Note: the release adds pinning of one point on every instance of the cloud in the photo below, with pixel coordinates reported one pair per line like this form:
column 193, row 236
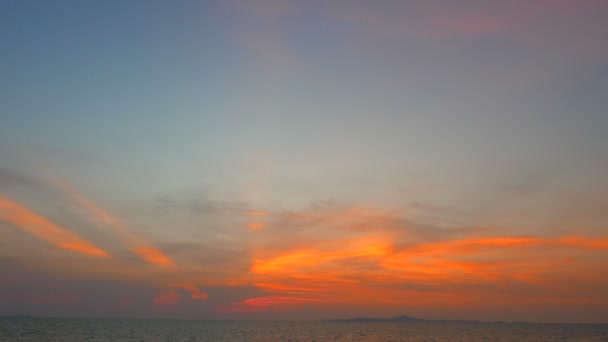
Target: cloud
column 195, row 291
column 336, row 256
column 256, row 225
column 326, row 223
column 167, row 297
column 268, row 303
column 40, row 227
column 327, row 252
column 216, row 263
column 153, row 256
column 140, row 246
column 9, row 178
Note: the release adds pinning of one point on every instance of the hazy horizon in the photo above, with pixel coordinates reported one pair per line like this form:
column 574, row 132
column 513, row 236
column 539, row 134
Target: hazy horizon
column 338, row 320
column 284, row 159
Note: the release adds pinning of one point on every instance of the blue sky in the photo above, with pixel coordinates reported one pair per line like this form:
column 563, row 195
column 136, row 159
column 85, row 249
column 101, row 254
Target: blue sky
column 166, row 126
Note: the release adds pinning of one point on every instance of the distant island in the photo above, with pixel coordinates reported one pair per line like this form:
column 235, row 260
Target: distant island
column 410, row 319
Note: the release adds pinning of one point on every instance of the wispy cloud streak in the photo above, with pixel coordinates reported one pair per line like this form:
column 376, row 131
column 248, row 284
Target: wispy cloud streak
column 139, row 246
column 42, row 228
column 365, row 254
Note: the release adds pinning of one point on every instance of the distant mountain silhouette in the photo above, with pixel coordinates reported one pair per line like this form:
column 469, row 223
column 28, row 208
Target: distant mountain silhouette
column 407, row 319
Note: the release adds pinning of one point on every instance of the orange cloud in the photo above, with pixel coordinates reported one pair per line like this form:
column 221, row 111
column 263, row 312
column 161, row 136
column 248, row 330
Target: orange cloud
column 484, row 257
column 139, row 245
column 339, row 249
column 194, row 290
column 583, row 243
column 325, row 263
column 285, row 288
column 153, row 256
column 256, row 225
column 496, row 261
column 264, row 304
column 171, row 296
column 360, row 262
column 40, row 227
column 167, row 297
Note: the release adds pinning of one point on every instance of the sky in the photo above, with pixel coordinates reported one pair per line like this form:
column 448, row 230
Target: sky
column 284, row 159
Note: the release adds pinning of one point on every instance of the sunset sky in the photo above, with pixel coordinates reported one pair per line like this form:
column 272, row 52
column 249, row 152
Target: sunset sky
column 291, row 159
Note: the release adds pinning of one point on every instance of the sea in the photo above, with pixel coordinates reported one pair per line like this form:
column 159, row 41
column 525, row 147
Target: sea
column 102, row 330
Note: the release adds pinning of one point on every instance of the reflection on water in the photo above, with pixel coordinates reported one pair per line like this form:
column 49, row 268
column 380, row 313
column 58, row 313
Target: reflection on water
column 98, row 330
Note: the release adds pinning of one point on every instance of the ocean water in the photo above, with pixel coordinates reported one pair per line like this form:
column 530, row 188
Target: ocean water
column 74, row 329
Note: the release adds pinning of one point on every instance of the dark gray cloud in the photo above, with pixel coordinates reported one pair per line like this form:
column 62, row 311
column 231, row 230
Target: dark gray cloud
column 10, row 178
column 33, row 291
